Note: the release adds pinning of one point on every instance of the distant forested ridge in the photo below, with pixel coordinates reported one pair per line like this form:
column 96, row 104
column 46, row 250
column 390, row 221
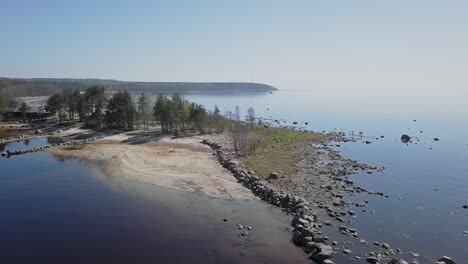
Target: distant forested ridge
column 48, row 86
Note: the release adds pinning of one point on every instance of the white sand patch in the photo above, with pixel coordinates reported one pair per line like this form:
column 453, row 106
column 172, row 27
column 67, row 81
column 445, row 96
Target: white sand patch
column 182, row 164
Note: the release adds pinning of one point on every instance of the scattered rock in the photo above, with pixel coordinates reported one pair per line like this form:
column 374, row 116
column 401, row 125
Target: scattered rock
column 385, row 245
column 436, row 139
column 347, row 251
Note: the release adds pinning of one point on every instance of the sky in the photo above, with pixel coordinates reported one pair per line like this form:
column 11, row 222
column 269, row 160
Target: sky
column 419, row 48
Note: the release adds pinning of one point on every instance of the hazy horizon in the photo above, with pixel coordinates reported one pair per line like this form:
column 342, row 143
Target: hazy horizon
column 366, row 48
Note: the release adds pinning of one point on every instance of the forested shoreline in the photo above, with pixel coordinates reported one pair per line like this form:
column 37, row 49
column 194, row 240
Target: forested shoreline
column 19, row 87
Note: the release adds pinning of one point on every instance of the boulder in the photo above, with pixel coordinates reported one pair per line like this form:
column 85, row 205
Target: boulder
column 297, row 220
column 405, row 138
column 297, row 238
column 320, row 252
column 274, row 175
column 447, row 260
column 372, row 259
column 397, row 261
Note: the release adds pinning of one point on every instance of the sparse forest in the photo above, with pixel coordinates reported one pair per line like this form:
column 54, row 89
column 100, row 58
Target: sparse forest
column 174, row 114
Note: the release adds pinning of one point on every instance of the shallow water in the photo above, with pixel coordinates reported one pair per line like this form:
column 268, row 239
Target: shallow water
column 416, row 217
column 56, row 210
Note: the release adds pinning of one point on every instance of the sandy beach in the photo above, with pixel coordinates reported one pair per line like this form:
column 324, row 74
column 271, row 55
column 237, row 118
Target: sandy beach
column 182, row 164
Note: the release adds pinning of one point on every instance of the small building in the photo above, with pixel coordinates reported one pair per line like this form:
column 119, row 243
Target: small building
column 34, row 114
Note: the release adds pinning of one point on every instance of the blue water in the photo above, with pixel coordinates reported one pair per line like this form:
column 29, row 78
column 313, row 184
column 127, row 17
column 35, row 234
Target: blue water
column 416, row 217
column 55, row 211
column 63, row 210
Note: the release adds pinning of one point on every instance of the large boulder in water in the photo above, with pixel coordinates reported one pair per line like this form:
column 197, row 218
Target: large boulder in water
column 405, row 138
column 446, row 260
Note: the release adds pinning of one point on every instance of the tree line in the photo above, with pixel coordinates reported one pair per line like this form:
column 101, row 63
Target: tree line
column 97, row 109
column 6, row 101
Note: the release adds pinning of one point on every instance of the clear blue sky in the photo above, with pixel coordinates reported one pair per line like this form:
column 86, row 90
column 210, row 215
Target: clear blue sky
column 338, row 45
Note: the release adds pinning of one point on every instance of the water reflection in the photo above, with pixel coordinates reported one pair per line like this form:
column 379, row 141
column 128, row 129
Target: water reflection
column 56, row 211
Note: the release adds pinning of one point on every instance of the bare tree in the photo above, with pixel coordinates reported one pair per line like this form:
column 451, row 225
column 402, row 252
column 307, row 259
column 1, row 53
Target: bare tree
column 250, row 118
column 238, row 131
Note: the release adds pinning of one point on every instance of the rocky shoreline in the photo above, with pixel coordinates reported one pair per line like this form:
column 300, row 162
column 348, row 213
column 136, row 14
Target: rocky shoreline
column 36, row 149
column 315, row 197
column 314, row 202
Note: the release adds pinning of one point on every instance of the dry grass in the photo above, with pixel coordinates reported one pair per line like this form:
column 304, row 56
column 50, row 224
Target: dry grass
column 279, row 151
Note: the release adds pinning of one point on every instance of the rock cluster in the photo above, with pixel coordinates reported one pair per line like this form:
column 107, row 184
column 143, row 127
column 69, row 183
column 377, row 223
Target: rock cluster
column 37, row 133
column 36, row 149
column 306, row 232
column 306, row 228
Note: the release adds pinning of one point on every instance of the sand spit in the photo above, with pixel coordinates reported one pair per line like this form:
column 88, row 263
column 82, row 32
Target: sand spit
column 181, row 164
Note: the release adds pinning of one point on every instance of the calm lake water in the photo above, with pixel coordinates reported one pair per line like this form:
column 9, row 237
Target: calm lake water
column 56, row 210
column 427, row 181
column 64, row 211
